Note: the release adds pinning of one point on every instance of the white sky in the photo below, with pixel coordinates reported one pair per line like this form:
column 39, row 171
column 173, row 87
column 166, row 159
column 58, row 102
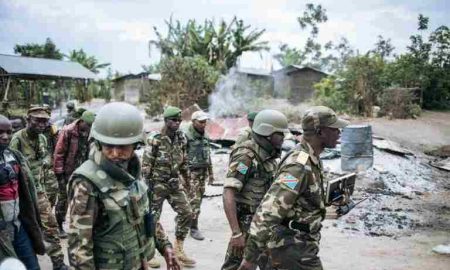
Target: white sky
column 118, row 31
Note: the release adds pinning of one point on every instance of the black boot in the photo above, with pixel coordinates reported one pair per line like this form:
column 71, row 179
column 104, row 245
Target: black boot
column 195, row 232
column 62, row 233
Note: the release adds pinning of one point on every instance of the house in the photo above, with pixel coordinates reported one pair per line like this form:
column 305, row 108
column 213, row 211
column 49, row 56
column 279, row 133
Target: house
column 131, row 87
column 256, row 79
column 296, row 82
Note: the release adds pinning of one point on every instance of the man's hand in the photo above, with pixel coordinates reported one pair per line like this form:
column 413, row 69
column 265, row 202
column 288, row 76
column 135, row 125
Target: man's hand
column 171, row 261
column 246, row 265
column 237, row 245
column 211, row 180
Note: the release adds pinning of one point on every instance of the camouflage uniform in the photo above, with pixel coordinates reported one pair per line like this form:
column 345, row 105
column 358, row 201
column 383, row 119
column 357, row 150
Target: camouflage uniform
column 51, row 184
column 250, row 173
column 244, row 135
column 200, row 167
column 36, row 153
column 162, row 162
column 110, row 221
column 296, row 201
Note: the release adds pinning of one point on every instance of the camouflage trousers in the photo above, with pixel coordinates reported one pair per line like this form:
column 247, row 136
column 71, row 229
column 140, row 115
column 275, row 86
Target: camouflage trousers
column 177, row 198
column 297, row 256
column 51, row 187
column 50, row 230
column 61, row 205
column 197, row 189
column 232, row 261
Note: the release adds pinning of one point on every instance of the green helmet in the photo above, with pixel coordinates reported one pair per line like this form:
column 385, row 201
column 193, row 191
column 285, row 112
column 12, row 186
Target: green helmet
column 268, row 122
column 118, row 123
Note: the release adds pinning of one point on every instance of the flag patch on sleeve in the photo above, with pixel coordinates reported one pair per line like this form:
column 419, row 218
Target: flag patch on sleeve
column 242, row 168
column 289, row 180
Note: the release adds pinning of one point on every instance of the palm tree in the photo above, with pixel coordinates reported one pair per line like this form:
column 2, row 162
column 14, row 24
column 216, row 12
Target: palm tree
column 89, row 62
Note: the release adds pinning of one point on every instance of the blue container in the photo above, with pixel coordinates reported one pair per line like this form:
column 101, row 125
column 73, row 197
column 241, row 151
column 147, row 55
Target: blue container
column 356, row 148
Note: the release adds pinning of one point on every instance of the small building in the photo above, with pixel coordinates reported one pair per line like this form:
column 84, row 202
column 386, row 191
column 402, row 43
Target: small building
column 131, row 87
column 256, row 79
column 296, row 82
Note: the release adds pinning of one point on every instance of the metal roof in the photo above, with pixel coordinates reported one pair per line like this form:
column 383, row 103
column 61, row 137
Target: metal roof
column 31, row 67
column 254, row 71
column 291, row 68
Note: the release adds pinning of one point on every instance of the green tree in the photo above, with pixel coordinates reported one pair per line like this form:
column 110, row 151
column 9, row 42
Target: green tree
column 220, row 46
column 184, row 81
column 46, row 50
column 89, row 62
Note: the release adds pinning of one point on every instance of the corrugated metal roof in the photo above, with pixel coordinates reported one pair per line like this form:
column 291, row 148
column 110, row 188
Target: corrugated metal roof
column 254, row 71
column 154, row 76
column 291, row 68
column 21, row 66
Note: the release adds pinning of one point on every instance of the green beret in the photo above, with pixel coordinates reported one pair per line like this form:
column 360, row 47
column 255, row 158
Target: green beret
column 172, row 111
column 251, row 116
column 88, row 117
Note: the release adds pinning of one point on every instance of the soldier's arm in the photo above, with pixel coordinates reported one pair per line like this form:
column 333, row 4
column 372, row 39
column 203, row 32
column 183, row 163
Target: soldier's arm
column 148, row 158
column 83, row 211
column 184, row 168
column 60, row 152
column 238, row 169
column 273, row 209
column 15, row 144
column 161, row 239
column 44, row 150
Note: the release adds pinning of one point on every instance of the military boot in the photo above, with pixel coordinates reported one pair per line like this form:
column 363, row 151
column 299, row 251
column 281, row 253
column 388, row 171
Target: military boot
column 61, row 232
column 195, row 232
column 154, row 263
column 181, row 256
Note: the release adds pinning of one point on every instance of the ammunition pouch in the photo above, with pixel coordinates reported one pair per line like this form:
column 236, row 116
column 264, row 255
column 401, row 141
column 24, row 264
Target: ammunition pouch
column 300, row 227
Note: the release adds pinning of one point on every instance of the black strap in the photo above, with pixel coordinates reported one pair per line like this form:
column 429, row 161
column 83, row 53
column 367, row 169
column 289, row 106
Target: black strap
column 294, row 225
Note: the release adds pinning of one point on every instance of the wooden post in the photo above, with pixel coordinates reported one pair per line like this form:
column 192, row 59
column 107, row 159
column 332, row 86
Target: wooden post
column 5, row 98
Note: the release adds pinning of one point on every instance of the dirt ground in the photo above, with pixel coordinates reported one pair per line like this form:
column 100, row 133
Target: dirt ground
column 408, row 212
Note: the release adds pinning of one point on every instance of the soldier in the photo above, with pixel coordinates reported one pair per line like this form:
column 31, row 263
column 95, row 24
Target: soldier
column 164, row 159
column 70, row 117
column 288, row 221
column 31, row 143
column 251, row 169
column 111, row 226
column 200, row 166
column 72, row 149
column 246, row 133
column 20, row 233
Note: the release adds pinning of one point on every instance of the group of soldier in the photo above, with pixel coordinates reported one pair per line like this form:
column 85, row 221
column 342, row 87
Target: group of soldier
column 113, row 198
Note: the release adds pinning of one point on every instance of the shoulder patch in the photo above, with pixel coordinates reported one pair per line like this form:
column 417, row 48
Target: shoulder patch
column 242, row 168
column 302, row 158
column 289, row 180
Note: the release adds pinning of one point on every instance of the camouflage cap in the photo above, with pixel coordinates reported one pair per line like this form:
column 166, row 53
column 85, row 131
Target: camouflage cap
column 171, row 111
column 251, row 116
column 39, row 112
column 88, row 117
column 321, row 116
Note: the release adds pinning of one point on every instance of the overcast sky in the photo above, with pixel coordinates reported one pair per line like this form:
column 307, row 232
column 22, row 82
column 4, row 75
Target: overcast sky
column 118, row 31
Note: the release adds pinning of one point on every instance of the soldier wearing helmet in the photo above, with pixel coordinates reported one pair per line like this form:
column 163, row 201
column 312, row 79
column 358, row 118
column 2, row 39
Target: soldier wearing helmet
column 294, row 206
column 251, row 169
column 246, row 133
column 111, row 225
column 71, row 111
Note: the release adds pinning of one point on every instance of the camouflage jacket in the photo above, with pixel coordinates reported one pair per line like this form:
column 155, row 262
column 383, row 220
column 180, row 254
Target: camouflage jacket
column 107, row 228
column 51, row 135
column 296, row 195
column 35, row 152
column 244, row 135
column 163, row 158
column 198, row 149
column 250, row 173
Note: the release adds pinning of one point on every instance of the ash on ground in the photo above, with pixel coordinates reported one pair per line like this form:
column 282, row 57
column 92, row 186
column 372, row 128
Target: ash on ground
column 404, row 193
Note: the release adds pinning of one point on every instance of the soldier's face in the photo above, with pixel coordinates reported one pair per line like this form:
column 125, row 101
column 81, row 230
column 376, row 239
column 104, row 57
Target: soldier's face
column 173, row 124
column 276, row 140
column 84, row 129
column 118, row 153
column 37, row 124
column 330, row 136
column 199, row 125
column 5, row 132
column 250, row 123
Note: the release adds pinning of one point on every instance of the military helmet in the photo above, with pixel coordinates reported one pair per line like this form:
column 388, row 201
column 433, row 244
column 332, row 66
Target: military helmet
column 118, row 123
column 268, row 122
column 70, row 105
column 321, row 116
column 251, row 116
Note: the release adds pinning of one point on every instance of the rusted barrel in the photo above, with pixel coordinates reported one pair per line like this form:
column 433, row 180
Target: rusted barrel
column 356, row 148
